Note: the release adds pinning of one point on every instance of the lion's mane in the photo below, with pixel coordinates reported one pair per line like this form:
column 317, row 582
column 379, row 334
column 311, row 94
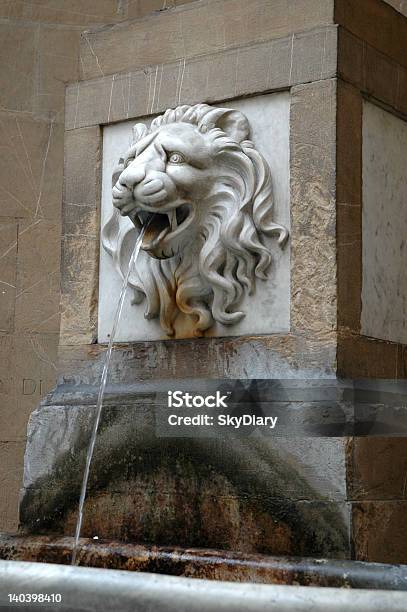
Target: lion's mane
column 231, row 253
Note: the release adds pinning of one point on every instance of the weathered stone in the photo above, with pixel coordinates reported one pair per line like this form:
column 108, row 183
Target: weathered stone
column 378, row 468
column 75, row 12
column 58, row 64
column 31, row 167
column 194, row 30
column 227, row 74
column 361, row 18
column 17, row 67
column 80, row 215
column 371, row 71
column 378, row 531
column 362, row 357
column 202, row 563
column 79, row 290
column 238, row 494
column 384, row 225
column 313, row 210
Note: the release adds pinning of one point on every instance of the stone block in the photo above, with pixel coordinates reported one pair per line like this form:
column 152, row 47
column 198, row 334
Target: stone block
column 82, row 176
column 79, row 290
column 235, row 494
column 384, row 225
column 18, row 48
column 58, row 64
column 313, row 207
column 75, row 12
column 362, row 357
column 379, row 467
column 196, row 29
column 378, row 531
column 362, row 18
column 31, row 167
column 226, row 74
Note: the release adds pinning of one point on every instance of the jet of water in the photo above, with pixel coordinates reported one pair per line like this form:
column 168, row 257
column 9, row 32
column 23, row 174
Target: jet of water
column 99, row 405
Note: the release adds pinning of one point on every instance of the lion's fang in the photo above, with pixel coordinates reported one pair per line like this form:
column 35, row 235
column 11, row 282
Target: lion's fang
column 172, row 218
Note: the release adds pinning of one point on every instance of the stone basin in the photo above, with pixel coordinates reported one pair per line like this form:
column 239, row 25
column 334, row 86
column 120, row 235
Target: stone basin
column 206, row 564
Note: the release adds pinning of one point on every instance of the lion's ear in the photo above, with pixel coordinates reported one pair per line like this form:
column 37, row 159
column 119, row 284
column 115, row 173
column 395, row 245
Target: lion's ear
column 235, row 125
column 232, row 122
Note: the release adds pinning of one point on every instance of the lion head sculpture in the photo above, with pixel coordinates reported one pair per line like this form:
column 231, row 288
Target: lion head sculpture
column 203, row 194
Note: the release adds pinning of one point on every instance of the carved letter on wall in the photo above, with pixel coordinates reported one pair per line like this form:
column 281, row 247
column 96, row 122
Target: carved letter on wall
column 210, row 192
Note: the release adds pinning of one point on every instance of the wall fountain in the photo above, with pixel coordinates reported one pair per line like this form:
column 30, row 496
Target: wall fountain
column 237, row 170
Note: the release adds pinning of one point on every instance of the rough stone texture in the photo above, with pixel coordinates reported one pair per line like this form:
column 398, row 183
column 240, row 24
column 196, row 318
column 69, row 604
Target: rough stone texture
column 195, row 30
column 254, row 357
column 203, row 563
column 81, row 215
column 313, row 180
column 384, row 225
column 378, row 531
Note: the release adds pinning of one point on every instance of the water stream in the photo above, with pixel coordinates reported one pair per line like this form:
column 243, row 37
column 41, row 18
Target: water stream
column 99, row 404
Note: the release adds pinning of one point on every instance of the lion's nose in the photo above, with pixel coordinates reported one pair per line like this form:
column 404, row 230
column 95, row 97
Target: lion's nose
column 132, row 176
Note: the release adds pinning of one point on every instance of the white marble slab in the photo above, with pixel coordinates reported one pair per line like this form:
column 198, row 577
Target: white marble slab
column 268, row 311
column 384, row 289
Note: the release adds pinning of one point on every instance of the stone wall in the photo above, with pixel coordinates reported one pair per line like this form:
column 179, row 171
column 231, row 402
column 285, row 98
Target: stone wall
column 40, row 42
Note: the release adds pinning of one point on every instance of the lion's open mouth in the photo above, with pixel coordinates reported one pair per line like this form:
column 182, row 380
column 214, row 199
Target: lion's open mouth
column 162, row 229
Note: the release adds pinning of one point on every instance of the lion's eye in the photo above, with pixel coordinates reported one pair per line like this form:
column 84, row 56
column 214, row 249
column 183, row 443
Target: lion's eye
column 176, row 158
